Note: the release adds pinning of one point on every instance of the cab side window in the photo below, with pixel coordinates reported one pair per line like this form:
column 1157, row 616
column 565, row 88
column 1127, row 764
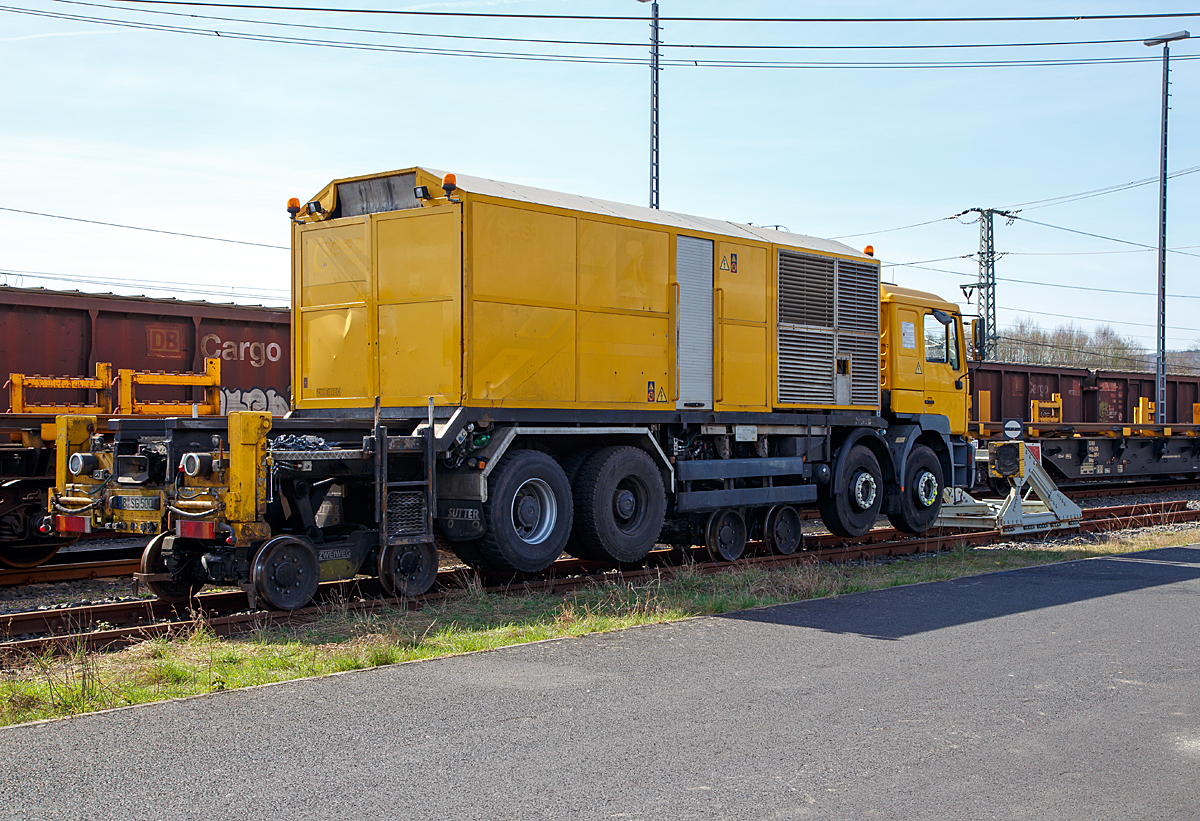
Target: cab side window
column 941, row 342
column 936, row 340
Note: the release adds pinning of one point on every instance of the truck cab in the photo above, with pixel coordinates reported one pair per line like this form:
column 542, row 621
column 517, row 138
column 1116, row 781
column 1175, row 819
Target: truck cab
column 922, row 357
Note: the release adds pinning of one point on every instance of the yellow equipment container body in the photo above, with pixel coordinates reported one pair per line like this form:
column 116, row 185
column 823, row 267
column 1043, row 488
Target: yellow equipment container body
column 377, row 310
column 482, row 300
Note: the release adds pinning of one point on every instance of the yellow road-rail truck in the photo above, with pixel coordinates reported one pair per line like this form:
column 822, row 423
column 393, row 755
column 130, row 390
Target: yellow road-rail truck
column 512, row 373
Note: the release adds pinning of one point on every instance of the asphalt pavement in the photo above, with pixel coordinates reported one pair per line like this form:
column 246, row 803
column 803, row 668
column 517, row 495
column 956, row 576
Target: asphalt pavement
column 1062, row 692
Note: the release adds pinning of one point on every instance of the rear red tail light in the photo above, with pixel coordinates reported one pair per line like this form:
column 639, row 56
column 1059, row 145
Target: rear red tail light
column 186, row 529
column 73, row 524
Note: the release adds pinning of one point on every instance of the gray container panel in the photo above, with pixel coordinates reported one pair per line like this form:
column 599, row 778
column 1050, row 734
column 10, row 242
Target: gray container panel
column 694, row 341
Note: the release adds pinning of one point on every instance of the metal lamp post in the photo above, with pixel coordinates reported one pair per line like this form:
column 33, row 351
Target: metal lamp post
column 1160, row 371
column 654, row 69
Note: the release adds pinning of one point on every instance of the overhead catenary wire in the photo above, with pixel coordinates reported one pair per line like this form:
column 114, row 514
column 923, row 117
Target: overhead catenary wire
column 536, row 16
column 575, row 58
column 1099, row 236
column 272, row 294
column 1095, row 319
column 141, row 228
column 924, row 261
column 1098, row 192
column 890, row 230
column 1084, row 287
column 1042, row 203
column 610, row 43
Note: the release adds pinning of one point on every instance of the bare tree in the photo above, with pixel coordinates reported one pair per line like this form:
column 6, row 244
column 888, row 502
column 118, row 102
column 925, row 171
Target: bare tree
column 1071, row 346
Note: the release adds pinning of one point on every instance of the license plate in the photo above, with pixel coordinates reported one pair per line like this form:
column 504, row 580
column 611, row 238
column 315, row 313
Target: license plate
column 134, row 503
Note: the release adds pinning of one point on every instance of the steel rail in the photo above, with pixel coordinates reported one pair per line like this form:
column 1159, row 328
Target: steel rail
column 78, row 571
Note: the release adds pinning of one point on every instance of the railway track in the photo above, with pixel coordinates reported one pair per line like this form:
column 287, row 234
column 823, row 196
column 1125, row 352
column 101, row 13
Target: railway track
column 117, row 624
column 115, row 565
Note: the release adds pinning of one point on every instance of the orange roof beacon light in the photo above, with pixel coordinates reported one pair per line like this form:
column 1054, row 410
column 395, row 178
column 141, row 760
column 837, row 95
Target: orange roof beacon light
column 869, row 250
column 294, row 206
column 449, row 184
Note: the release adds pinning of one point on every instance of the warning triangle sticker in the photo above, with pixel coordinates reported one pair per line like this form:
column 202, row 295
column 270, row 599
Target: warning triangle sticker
column 724, row 263
column 919, row 368
column 662, row 395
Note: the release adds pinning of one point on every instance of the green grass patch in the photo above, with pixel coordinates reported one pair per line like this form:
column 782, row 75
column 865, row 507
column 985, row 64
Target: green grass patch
column 71, row 681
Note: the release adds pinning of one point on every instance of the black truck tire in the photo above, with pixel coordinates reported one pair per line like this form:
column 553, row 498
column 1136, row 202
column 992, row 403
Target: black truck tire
column 572, row 464
column 921, row 498
column 619, row 504
column 850, row 505
column 528, row 513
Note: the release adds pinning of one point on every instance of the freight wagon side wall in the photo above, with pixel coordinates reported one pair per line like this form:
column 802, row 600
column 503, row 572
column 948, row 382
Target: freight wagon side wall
column 48, row 334
column 1107, row 397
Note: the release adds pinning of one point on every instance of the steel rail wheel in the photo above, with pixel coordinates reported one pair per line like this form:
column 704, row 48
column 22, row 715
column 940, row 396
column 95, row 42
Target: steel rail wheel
column 408, row 570
column 782, row 532
column 921, row 499
column 286, row 573
column 851, row 506
column 528, row 513
column 619, row 504
column 725, row 536
column 382, row 566
column 32, row 554
column 152, row 563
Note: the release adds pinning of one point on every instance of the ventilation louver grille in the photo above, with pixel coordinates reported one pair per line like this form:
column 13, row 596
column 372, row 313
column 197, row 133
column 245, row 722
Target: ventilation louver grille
column 863, row 351
column 828, row 309
column 857, row 298
column 805, row 290
column 805, row 366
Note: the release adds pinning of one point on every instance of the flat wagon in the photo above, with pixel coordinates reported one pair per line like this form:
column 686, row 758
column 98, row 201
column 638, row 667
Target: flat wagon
column 67, row 334
column 1092, row 424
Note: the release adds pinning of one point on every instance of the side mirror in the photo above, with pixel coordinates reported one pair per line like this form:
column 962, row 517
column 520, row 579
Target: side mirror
column 976, row 342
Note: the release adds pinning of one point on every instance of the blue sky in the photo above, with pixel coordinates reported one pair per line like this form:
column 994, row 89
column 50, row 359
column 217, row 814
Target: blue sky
column 207, row 135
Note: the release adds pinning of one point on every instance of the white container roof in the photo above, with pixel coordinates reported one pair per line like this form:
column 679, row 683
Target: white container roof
column 685, row 222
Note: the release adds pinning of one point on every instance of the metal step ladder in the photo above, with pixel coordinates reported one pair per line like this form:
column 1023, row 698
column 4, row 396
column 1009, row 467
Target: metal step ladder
column 404, row 509
column 1018, row 513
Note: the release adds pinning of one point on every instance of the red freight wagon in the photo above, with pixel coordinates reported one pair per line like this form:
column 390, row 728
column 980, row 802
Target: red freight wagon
column 1100, row 397
column 65, row 333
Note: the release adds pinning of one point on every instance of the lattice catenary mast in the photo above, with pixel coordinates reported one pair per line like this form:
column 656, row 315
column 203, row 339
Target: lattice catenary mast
column 986, row 284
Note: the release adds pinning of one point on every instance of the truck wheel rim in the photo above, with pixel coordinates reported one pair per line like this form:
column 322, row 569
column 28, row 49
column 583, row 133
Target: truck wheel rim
column 864, row 491
column 927, row 488
column 534, row 511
